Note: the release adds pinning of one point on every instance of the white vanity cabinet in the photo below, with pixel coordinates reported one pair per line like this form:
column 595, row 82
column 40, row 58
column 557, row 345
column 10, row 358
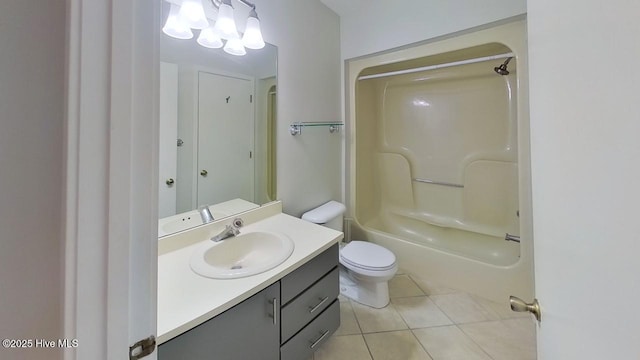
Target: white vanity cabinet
column 289, row 319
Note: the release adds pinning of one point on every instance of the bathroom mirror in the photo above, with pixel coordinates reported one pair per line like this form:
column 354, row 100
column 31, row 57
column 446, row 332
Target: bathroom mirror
column 217, row 123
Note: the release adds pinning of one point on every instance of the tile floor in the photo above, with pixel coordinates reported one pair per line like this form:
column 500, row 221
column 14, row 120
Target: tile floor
column 425, row 321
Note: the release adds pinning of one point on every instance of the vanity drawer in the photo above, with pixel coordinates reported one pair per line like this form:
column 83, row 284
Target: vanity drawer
column 309, row 304
column 313, row 335
column 296, row 282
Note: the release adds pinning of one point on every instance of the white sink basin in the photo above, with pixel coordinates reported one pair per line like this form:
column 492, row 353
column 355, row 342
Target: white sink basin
column 244, row 255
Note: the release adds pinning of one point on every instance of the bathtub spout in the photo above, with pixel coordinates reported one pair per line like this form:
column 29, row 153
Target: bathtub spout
column 510, row 237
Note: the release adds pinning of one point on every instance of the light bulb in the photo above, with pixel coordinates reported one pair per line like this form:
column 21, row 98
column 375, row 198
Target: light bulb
column 209, row 38
column 192, row 13
column 174, row 27
column 235, row 47
column 252, row 37
column 225, row 23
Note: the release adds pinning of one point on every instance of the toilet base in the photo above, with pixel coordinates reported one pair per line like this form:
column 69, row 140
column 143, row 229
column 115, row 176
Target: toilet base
column 374, row 294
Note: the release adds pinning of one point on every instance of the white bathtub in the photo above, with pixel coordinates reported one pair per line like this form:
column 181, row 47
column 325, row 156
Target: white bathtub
column 439, row 162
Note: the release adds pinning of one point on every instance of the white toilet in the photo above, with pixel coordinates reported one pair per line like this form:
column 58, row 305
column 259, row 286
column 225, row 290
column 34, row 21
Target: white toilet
column 365, row 267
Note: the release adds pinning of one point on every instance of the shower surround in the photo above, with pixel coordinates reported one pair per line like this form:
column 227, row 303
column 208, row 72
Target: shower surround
column 439, row 162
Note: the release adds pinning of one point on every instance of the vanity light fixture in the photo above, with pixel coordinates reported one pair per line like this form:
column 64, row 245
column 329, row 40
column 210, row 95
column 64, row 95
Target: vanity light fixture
column 190, row 14
column 175, row 28
column 209, row 38
column 252, row 38
column 225, row 23
column 234, row 47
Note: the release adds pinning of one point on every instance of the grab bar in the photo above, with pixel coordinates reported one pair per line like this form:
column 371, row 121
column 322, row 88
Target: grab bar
column 510, row 237
column 427, row 181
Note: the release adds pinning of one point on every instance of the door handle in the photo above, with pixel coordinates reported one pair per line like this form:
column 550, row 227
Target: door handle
column 518, row 305
column 204, row 172
column 170, row 182
column 274, row 303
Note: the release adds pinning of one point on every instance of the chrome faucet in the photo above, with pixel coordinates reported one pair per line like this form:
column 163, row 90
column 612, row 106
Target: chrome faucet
column 205, row 214
column 229, row 230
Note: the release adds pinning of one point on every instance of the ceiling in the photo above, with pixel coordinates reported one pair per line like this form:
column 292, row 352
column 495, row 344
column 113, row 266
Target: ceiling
column 344, row 7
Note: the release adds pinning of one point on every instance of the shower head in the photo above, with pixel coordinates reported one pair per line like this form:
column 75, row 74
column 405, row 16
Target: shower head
column 502, row 69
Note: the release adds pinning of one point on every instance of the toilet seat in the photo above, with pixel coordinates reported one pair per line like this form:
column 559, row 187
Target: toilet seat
column 367, row 256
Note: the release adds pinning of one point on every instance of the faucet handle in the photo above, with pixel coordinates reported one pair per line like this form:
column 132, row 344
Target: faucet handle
column 237, row 223
column 235, row 226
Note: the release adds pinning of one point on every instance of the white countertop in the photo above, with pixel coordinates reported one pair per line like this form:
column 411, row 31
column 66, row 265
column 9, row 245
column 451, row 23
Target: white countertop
column 186, row 299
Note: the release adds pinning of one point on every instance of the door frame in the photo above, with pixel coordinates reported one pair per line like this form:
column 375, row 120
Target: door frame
column 111, row 150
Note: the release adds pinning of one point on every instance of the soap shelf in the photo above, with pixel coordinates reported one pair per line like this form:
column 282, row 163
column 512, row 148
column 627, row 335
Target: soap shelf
column 296, row 128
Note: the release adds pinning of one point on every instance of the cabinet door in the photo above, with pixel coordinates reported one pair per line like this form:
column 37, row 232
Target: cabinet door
column 246, row 331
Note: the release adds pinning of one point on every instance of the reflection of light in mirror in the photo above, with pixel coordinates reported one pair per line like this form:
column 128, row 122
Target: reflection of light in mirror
column 421, row 102
column 187, row 14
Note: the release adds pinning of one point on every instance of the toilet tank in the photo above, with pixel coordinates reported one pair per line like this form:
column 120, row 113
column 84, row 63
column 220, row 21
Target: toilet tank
column 329, row 215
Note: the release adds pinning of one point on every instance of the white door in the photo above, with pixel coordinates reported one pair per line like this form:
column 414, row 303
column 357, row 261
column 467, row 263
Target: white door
column 225, row 138
column 168, row 139
column 110, row 215
column 585, row 153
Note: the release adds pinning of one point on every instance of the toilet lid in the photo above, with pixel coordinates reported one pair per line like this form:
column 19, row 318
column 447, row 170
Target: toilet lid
column 368, row 256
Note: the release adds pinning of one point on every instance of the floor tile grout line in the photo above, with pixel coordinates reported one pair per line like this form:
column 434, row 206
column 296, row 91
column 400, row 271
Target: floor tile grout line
column 426, row 327
column 486, row 319
column 401, row 317
column 453, row 291
column 488, row 315
column 416, row 285
column 453, row 323
column 421, row 344
column 367, row 345
column 396, row 310
column 488, row 308
column 409, row 296
column 445, row 314
column 475, row 342
column 399, row 314
column 355, row 316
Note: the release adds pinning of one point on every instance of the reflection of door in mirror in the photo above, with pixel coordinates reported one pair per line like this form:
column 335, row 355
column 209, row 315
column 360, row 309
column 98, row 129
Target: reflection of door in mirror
column 167, row 140
column 225, row 138
column 265, row 145
column 271, row 144
column 238, row 155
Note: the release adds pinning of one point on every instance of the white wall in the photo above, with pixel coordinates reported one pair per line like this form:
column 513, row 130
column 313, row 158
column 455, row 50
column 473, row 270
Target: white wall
column 583, row 61
column 32, row 85
column 308, row 38
column 378, row 25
